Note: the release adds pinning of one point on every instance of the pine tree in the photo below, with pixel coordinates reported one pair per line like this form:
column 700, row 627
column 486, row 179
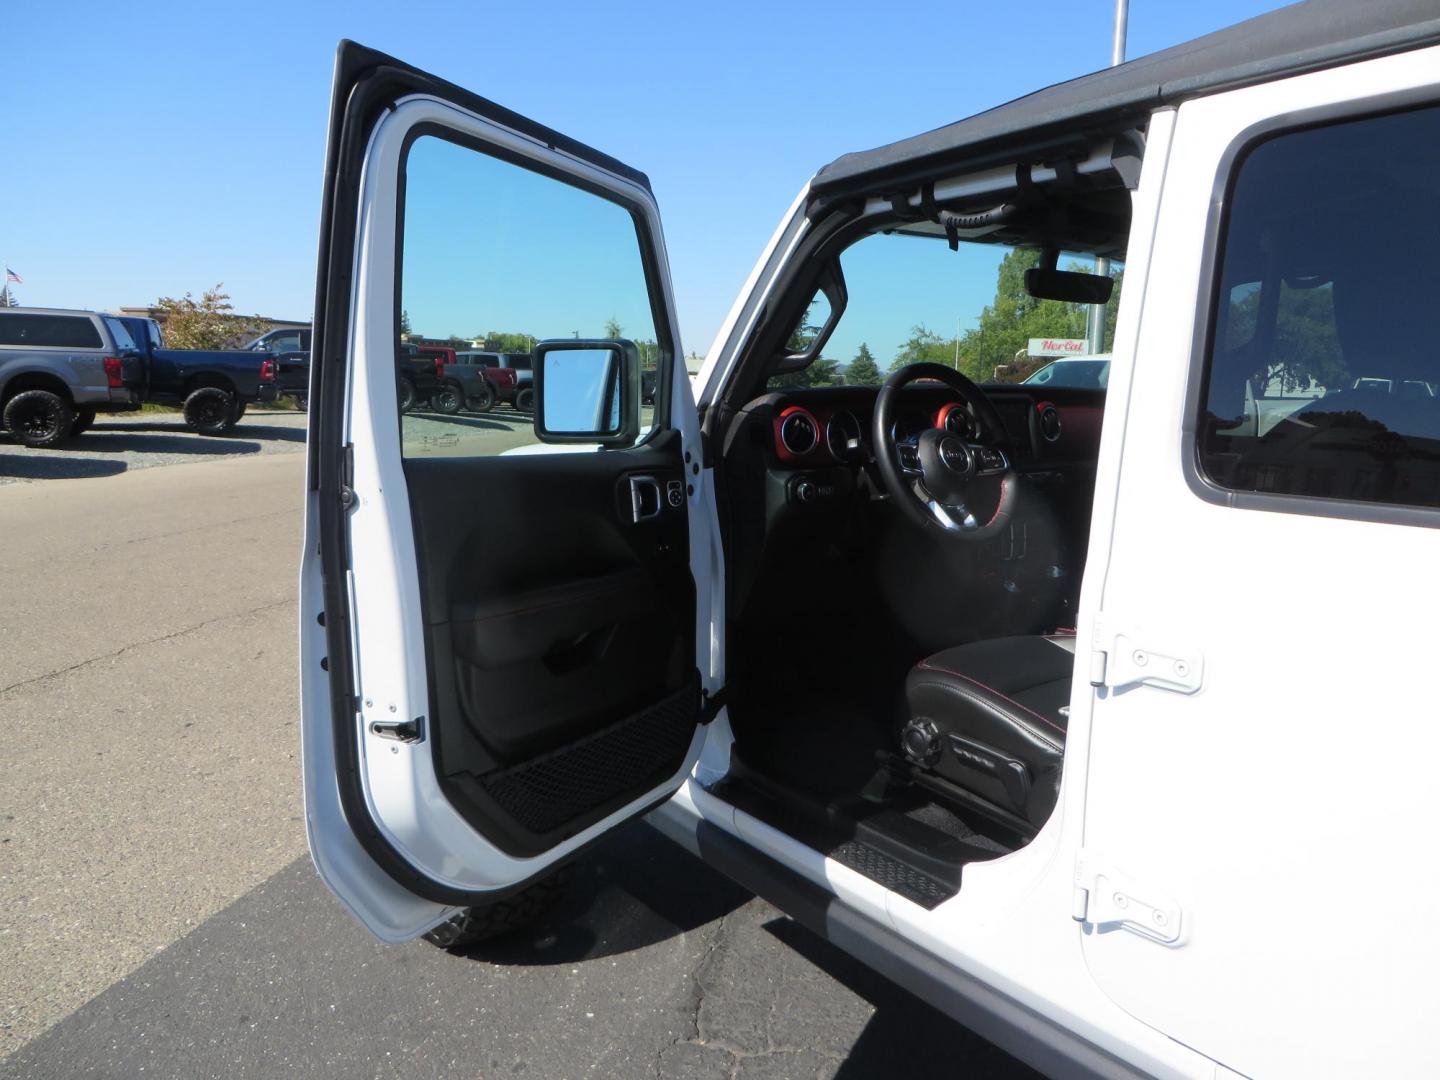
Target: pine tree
column 863, row 371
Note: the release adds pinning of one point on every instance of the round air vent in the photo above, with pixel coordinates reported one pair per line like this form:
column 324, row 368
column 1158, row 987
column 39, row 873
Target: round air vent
column 1049, row 421
column 799, row 432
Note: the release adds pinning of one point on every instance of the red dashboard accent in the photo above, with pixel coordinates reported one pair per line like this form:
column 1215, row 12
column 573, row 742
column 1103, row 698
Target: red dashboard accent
column 944, row 412
column 781, row 450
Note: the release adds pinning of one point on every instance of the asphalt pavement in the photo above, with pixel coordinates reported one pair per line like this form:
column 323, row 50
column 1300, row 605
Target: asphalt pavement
column 159, row 916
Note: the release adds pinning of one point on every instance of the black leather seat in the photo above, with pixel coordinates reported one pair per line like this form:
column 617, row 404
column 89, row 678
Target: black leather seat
column 990, row 718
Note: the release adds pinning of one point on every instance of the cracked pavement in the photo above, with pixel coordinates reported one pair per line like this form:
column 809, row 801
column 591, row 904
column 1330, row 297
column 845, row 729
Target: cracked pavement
column 158, row 915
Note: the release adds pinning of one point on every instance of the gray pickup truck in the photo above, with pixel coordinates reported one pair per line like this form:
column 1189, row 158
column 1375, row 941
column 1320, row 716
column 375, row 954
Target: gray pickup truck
column 58, row 368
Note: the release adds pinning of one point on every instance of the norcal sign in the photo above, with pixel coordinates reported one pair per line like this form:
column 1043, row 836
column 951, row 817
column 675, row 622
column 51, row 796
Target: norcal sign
column 1065, row 346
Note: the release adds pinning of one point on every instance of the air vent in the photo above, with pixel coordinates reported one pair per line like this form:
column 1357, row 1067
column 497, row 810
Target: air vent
column 842, row 436
column 1049, row 422
column 799, row 432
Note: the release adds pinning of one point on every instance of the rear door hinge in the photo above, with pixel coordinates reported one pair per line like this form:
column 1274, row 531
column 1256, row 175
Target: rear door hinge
column 1106, row 897
column 347, row 476
column 1124, row 656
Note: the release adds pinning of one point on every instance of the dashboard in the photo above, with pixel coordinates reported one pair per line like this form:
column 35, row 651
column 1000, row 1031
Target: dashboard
column 828, row 426
column 799, row 478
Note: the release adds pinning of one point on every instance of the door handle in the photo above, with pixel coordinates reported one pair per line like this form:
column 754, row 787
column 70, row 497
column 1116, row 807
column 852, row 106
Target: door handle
column 644, row 498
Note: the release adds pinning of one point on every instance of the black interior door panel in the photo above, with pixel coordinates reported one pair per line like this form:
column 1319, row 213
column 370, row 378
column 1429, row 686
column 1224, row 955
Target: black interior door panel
column 560, row 634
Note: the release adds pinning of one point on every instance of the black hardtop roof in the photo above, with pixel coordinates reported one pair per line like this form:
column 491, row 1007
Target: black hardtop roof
column 1302, row 37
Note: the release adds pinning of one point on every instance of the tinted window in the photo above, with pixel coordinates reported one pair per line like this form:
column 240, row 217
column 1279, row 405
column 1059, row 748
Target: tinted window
column 1324, row 366
column 518, row 361
column 286, row 342
column 65, row 331
column 123, row 341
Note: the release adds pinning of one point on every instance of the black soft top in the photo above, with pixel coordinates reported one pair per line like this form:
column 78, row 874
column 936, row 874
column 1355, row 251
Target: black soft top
column 1302, row 37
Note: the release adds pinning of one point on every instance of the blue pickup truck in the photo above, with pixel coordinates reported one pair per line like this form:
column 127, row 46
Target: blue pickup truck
column 211, row 387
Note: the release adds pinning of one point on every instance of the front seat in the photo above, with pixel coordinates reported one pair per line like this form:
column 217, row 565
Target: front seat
column 989, row 718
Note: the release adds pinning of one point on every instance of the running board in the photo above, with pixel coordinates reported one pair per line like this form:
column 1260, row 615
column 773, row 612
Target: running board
column 909, row 858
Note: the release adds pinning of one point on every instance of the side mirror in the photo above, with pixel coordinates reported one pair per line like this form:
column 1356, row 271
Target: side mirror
column 587, row 391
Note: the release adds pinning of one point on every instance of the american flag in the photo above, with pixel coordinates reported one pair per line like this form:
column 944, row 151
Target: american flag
column 11, row 275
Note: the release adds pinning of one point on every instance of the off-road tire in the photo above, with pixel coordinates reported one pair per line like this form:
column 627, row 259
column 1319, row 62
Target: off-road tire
column 448, row 399
column 209, row 411
column 525, row 399
column 484, row 401
column 477, row 924
column 83, row 419
column 39, row 418
column 406, row 393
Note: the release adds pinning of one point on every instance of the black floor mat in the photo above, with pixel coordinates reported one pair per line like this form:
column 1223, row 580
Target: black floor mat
column 823, row 748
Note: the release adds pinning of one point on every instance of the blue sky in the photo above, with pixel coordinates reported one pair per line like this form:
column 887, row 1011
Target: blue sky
column 154, row 149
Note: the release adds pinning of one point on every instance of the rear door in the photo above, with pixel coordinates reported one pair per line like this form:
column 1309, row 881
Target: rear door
column 498, row 637
column 1258, row 871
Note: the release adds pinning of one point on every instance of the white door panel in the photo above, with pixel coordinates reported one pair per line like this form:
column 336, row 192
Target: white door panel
column 437, row 857
column 1278, row 807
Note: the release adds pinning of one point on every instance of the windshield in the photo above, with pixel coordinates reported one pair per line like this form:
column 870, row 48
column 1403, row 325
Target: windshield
column 912, row 300
column 1073, row 374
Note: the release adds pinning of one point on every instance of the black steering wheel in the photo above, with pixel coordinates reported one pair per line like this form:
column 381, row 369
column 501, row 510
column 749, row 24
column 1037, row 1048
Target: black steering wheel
column 961, row 484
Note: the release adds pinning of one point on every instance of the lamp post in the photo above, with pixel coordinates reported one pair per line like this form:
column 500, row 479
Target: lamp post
column 1095, row 323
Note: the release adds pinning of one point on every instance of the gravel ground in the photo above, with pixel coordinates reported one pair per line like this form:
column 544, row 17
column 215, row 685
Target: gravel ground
column 127, row 441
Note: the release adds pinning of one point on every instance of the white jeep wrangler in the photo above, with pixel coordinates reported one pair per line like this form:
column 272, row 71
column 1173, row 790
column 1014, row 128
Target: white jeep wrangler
column 1069, row 709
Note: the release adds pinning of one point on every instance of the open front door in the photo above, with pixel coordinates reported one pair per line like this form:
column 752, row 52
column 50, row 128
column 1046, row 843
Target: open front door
column 498, row 630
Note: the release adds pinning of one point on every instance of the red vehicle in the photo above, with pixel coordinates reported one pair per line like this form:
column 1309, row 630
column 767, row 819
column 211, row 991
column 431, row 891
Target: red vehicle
column 508, row 373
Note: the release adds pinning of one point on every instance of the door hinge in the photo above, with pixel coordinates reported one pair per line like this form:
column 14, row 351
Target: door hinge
column 1106, row 897
column 405, row 731
column 1127, row 657
column 347, row 476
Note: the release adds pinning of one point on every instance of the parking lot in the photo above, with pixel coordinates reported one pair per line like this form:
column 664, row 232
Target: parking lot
column 158, row 912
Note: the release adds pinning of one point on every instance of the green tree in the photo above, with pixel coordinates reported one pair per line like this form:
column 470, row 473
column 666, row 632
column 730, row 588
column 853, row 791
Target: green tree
column 924, row 347
column 405, row 330
column 1014, row 316
column 207, row 323
column 863, row 371
column 505, row 341
column 822, row 371
column 613, row 329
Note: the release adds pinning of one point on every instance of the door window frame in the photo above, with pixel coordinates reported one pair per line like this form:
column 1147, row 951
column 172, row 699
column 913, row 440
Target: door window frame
column 647, row 232
column 1210, row 295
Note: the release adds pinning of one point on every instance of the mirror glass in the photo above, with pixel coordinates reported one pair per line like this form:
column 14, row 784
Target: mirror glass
column 581, row 391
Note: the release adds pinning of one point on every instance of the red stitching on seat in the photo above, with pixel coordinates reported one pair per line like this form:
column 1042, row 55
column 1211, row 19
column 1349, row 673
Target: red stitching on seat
column 927, row 666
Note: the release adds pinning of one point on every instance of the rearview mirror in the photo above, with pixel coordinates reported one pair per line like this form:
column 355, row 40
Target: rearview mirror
column 587, row 391
column 1068, row 285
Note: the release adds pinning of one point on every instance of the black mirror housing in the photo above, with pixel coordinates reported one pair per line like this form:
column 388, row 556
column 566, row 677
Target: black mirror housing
column 1068, row 285
column 587, row 390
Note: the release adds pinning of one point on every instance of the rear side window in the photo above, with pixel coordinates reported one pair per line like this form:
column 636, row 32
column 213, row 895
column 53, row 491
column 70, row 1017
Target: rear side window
column 286, row 342
column 1323, row 371
column 123, row 341
column 62, row 331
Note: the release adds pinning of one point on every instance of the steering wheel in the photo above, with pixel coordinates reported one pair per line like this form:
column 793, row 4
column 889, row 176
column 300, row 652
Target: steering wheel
column 935, row 476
